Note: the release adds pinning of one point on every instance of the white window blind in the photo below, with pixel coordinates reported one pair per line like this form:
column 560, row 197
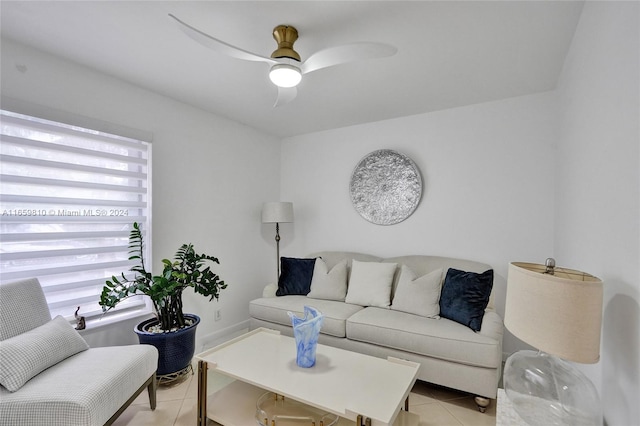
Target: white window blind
column 68, row 198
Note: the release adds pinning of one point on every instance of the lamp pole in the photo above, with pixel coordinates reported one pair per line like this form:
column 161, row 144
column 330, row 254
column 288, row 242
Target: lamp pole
column 278, row 250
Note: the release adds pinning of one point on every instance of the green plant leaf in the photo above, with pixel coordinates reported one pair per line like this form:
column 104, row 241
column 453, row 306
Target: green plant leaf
column 188, row 269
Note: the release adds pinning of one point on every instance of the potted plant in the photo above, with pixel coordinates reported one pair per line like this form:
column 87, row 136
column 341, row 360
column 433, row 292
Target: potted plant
column 172, row 332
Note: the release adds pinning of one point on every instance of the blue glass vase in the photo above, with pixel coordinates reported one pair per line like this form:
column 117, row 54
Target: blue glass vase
column 306, row 331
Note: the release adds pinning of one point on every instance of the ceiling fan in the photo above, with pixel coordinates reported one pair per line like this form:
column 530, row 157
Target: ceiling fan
column 287, row 68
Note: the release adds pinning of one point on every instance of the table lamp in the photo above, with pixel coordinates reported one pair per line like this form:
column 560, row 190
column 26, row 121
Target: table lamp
column 559, row 312
column 277, row 212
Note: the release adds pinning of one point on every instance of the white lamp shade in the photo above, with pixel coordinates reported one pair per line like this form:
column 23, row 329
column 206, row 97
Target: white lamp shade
column 560, row 314
column 285, row 75
column 277, row 212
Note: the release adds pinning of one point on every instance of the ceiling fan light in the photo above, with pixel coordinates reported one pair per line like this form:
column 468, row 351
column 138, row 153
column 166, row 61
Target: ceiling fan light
column 285, row 75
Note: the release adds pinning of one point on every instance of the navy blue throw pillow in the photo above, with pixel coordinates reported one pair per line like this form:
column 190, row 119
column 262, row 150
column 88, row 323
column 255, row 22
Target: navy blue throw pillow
column 465, row 296
column 295, row 276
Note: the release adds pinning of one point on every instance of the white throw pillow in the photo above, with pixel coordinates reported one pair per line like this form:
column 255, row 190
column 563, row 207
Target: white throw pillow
column 27, row 354
column 329, row 285
column 370, row 283
column 418, row 296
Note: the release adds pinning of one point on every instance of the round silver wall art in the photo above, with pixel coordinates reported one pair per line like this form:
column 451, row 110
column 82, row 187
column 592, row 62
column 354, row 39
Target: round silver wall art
column 386, row 187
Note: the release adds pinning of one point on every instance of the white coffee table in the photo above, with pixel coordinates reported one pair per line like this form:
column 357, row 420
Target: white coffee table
column 356, row 387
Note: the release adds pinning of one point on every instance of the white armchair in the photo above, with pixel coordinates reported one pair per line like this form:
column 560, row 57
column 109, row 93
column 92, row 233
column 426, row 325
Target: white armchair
column 50, row 376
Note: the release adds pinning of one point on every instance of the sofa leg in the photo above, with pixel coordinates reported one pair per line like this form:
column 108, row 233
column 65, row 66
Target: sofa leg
column 482, row 403
column 152, row 391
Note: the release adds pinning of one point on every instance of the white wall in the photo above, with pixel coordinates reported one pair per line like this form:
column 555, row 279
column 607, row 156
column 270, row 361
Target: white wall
column 210, row 175
column 598, row 189
column 488, row 186
column 554, row 174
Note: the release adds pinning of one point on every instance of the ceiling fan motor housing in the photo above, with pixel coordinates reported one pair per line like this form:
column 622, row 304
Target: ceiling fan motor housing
column 285, row 36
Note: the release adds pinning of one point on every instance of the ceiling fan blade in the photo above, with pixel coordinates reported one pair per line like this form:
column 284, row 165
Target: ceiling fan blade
column 346, row 53
column 219, row 45
column 285, row 95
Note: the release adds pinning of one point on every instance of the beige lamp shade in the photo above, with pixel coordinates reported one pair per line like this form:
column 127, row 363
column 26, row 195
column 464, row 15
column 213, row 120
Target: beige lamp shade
column 560, row 314
column 277, row 212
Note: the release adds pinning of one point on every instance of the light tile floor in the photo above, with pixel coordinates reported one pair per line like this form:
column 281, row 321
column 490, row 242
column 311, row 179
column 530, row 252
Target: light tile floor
column 436, row 406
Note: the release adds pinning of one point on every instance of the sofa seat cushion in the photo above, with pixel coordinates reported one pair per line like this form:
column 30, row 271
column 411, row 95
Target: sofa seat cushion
column 60, row 395
column 438, row 338
column 274, row 309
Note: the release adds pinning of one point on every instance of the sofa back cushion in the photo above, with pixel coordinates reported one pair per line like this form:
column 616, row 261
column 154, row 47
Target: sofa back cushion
column 465, row 296
column 332, row 258
column 419, row 264
column 329, row 284
column 422, row 265
column 418, row 295
column 370, row 283
column 295, row 276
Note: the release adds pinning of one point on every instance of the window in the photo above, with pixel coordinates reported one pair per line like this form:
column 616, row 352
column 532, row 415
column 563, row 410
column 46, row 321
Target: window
column 68, row 197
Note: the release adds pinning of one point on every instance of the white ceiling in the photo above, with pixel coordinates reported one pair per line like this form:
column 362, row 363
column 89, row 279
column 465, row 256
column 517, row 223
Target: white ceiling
column 450, row 53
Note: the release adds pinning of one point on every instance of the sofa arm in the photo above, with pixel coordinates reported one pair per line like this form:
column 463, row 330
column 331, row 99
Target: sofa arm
column 492, row 325
column 270, row 290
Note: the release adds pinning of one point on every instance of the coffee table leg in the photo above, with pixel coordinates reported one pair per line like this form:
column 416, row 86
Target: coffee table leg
column 362, row 421
column 202, row 393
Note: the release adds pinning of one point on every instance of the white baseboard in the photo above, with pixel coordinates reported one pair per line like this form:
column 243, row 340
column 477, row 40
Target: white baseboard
column 218, row 337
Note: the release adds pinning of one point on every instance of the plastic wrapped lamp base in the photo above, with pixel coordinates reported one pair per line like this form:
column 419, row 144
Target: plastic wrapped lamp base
column 546, row 390
column 306, row 331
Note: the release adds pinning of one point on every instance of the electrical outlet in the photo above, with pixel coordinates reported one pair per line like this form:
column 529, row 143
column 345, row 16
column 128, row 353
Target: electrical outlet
column 218, row 315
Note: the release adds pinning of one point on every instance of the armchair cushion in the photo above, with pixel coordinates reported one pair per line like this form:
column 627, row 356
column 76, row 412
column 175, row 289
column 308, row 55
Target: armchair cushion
column 83, row 390
column 27, row 354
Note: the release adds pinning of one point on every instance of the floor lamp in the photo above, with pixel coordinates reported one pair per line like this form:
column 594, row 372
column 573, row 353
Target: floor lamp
column 277, row 212
column 559, row 312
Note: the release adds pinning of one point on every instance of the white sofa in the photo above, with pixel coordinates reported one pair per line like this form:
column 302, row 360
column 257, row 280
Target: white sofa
column 450, row 354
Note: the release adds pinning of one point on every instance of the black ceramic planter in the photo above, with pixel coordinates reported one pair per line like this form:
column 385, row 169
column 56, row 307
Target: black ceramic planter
column 175, row 348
